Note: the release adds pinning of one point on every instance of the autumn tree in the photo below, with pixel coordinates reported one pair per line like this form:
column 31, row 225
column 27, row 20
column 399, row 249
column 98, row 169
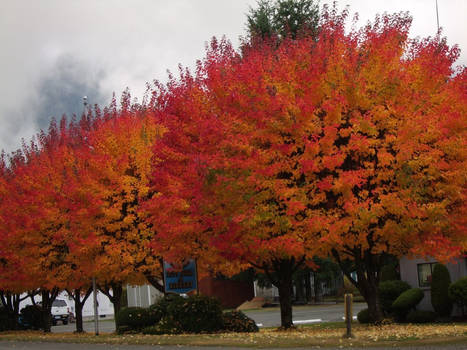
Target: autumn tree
column 351, row 144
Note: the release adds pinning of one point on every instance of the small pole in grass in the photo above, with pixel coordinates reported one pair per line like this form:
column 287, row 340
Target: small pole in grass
column 348, row 298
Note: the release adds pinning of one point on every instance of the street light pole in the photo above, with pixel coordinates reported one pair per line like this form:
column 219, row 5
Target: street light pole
column 96, row 316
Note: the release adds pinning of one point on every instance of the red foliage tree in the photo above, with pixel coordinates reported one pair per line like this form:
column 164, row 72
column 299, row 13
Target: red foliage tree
column 351, row 145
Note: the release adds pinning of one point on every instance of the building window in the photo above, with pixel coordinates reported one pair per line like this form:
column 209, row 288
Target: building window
column 424, row 274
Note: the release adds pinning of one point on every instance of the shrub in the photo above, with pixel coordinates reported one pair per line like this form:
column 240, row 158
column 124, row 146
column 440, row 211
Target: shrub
column 237, row 321
column 31, row 315
column 458, row 292
column 132, row 319
column 195, row 314
column 440, row 281
column 418, row 316
column 407, row 301
column 363, row 316
column 159, row 310
column 7, row 323
column 389, row 291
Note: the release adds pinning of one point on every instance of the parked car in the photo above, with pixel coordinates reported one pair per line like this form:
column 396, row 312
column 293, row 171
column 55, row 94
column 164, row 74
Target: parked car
column 60, row 312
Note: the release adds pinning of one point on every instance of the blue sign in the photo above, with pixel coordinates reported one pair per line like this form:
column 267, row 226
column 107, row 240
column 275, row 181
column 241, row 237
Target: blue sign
column 181, row 279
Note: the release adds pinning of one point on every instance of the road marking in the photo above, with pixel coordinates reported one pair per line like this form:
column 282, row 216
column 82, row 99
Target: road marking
column 308, row 321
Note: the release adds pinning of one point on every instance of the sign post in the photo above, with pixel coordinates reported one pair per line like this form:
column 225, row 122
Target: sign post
column 180, row 279
column 348, row 315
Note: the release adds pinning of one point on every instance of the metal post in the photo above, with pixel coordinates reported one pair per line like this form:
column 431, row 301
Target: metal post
column 96, row 316
column 437, row 17
column 348, row 315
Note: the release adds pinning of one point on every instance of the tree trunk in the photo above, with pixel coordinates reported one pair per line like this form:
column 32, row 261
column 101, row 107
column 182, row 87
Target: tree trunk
column 79, row 304
column 308, row 292
column 115, row 297
column 154, row 281
column 285, row 301
column 368, row 269
column 48, row 298
column 11, row 302
column 316, row 287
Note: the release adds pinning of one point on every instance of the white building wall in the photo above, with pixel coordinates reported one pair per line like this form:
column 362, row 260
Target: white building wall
column 409, row 273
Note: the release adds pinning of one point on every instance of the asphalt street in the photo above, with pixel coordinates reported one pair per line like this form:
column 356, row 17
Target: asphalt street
column 267, row 317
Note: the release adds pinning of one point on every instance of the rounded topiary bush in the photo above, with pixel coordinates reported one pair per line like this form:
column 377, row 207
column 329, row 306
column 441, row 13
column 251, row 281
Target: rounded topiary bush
column 406, row 302
column 418, row 316
column 131, row 319
column 237, row 321
column 458, row 292
column 389, row 291
column 440, row 281
column 363, row 316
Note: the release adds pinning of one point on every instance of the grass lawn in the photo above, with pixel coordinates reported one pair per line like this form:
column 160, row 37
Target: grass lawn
column 326, row 334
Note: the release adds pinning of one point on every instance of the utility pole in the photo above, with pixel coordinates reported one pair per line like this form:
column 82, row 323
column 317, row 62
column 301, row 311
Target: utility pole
column 437, row 17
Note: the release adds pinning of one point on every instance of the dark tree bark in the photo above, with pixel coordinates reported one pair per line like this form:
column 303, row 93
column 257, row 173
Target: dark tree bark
column 114, row 297
column 154, row 281
column 368, row 267
column 79, row 300
column 279, row 273
column 48, row 297
column 11, row 303
column 316, row 287
column 308, row 291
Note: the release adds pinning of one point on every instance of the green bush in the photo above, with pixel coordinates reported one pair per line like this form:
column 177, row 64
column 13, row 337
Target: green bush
column 195, row 314
column 6, row 322
column 131, row 319
column 458, row 292
column 418, row 316
column 389, row 291
column 363, row 316
column 237, row 321
column 440, row 281
column 406, row 302
column 159, row 310
column 32, row 316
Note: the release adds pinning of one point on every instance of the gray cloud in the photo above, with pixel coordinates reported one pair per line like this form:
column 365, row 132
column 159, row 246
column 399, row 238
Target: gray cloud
column 54, row 52
column 60, row 90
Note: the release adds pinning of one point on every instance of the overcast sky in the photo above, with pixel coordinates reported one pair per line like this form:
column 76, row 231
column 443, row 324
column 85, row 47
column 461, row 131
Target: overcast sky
column 53, row 52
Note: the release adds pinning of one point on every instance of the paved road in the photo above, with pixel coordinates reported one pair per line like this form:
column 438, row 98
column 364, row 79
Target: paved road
column 268, row 317
column 63, row 346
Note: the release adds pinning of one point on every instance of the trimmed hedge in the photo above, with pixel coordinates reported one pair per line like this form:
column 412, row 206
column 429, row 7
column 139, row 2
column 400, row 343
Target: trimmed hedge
column 363, row 316
column 406, row 302
column 418, row 316
column 237, row 321
column 458, row 292
column 389, row 291
column 440, row 281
